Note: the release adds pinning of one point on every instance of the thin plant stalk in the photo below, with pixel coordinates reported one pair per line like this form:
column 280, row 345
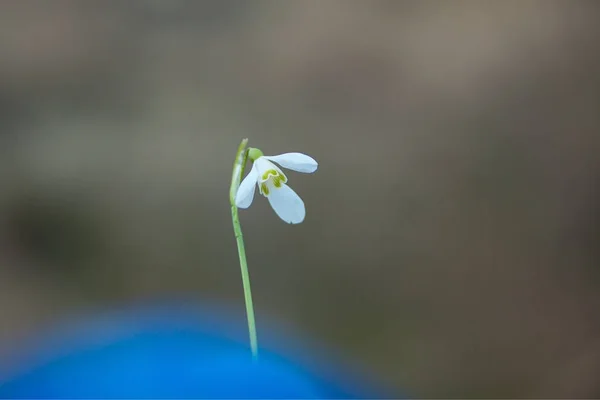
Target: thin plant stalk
column 236, row 177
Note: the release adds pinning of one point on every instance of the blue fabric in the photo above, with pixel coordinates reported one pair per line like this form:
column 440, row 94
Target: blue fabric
column 162, row 353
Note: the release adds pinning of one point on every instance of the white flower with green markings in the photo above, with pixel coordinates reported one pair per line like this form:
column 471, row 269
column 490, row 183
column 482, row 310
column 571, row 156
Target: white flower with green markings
column 272, row 183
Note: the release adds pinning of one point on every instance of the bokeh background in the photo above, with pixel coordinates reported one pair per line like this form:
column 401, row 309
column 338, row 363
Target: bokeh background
column 451, row 241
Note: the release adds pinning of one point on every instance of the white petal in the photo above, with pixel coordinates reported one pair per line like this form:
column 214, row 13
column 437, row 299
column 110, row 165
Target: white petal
column 295, row 161
column 245, row 193
column 287, row 204
column 263, row 165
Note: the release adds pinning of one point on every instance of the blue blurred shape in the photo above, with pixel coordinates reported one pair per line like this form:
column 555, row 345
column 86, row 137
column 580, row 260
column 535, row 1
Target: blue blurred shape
column 165, row 353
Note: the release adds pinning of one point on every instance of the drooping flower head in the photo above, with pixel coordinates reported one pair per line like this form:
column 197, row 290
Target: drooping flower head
column 272, row 183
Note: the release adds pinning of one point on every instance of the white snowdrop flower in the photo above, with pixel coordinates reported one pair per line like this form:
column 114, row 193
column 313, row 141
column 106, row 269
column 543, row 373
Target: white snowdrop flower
column 272, row 183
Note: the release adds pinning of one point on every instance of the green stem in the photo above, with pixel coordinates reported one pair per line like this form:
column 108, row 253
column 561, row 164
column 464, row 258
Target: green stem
column 238, row 172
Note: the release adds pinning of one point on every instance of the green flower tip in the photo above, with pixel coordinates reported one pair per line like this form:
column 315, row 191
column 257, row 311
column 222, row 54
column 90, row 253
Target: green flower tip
column 254, row 153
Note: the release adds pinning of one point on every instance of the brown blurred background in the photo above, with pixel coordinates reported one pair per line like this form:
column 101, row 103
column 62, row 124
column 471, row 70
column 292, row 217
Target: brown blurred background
column 451, row 239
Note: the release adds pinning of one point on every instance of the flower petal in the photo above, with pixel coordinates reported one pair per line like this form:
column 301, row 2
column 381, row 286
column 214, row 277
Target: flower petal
column 245, row 193
column 287, row 204
column 263, row 165
column 295, row 161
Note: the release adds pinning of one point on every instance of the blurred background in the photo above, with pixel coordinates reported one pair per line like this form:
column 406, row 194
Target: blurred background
column 451, row 241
